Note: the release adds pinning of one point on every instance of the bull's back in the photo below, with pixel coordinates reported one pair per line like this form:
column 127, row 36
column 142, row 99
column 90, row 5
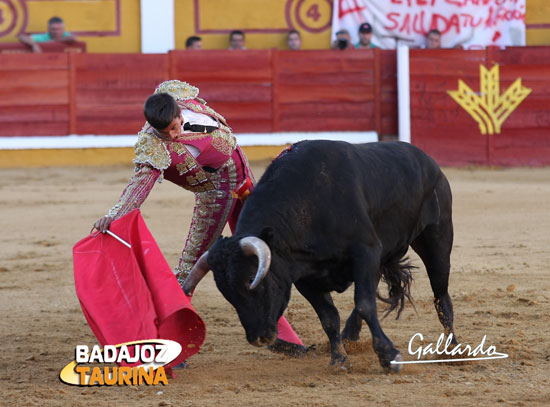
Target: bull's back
column 393, row 171
column 334, row 188
column 380, row 171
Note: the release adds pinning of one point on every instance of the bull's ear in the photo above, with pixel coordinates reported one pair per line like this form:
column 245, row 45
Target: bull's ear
column 267, row 235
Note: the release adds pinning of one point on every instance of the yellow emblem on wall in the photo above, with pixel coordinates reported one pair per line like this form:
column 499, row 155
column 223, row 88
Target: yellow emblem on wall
column 488, row 107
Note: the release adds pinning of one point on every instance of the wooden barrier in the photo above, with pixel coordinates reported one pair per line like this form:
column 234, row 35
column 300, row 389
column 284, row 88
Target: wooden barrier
column 34, row 94
column 109, row 90
column 237, row 84
column 47, row 47
column 270, row 91
column 450, row 133
column 256, row 90
column 325, row 91
column 525, row 136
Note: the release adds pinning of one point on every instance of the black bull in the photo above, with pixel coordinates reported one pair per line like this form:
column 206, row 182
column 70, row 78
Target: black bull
column 327, row 214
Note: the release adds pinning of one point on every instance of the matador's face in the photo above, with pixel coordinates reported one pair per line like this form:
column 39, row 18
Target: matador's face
column 173, row 130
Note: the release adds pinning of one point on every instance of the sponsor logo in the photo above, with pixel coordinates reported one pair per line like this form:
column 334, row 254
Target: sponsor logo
column 488, row 107
column 451, row 353
column 152, row 355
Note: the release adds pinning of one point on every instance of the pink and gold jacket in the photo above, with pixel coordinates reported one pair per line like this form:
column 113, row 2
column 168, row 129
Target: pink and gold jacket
column 156, row 158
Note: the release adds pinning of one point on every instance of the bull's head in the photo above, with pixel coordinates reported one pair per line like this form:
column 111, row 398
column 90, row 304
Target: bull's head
column 241, row 271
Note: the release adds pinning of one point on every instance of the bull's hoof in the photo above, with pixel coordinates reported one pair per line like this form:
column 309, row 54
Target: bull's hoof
column 390, row 363
column 338, row 365
column 351, row 334
column 396, row 367
column 290, row 349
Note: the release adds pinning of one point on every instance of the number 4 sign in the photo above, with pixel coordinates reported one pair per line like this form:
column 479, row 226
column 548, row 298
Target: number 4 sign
column 312, row 16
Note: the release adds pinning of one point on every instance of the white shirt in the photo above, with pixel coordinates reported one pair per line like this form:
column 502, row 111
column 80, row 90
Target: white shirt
column 188, row 116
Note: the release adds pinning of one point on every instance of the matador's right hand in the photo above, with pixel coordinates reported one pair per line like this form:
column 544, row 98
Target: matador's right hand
column 103, row 223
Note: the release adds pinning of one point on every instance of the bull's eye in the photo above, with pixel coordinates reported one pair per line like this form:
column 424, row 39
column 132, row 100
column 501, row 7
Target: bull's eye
column 250, row 280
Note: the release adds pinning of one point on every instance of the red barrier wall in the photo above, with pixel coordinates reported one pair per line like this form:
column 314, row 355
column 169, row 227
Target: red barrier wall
column 320, row 90
column 525, row 136
column 271, row 91
column 256, row 90
column 34, row 94
column 109, row 90
column 446, row 131
column 47, row 47
column 237, row 84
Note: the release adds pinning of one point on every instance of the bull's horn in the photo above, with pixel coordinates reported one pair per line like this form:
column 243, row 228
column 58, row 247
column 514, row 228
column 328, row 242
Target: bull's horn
column 198, row 271
column 252, row 245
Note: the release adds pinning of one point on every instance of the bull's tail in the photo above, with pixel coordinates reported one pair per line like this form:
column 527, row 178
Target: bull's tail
column 398, row 276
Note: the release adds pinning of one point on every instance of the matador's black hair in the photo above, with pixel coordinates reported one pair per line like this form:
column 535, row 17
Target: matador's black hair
column 160, row 109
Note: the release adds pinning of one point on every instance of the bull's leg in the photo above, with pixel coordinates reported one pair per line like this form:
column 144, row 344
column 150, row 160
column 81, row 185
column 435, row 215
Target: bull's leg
column 330, row 320
column 365, row 273
column 354, row 323
column 433, row 246
column 353, row 327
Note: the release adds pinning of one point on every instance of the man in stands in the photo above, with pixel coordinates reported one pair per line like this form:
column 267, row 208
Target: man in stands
column 236, row 40
column 433, row 39
column 294, row 40
column 343, row 40
column 365, row 37
column 193, row 43
column 56, row 32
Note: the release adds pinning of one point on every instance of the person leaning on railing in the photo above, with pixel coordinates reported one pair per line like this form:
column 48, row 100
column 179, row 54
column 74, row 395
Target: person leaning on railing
column 56, row 32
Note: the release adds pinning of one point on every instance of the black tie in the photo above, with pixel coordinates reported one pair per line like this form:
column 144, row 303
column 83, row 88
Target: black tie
column 198, row 128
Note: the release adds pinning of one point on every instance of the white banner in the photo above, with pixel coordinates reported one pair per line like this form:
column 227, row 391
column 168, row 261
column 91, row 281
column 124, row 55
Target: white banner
column 471, row 24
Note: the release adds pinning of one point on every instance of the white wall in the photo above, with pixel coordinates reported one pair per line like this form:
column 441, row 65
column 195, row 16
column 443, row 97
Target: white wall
column 157, row 26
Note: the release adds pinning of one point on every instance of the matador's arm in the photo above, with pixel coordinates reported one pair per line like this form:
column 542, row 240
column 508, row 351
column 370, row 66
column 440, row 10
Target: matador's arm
column 136, row 191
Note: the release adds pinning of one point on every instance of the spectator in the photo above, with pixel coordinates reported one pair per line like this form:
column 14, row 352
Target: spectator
column 56, row 32
column 193, row 42
column 433, row 39
column 343, row 40
column 365, row 36
column 236, row 40
column 294, row 40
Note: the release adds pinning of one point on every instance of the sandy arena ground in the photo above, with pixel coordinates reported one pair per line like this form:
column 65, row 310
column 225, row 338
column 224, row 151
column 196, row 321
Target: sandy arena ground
column 500, row 286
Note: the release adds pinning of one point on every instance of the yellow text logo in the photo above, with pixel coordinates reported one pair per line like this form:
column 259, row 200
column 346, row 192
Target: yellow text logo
column 488, row 107
column 153, row 355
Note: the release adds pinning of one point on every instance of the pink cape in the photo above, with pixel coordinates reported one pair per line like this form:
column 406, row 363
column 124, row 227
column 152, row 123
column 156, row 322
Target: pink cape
column 132, row 294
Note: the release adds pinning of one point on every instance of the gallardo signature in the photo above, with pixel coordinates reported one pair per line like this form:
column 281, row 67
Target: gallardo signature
column 447, row 349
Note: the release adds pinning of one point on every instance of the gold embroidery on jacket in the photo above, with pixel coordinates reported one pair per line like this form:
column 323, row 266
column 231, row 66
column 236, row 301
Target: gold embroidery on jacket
column 178, row 90
column 135, row 192
column 199, row 178
column 149, row 149
column 223, row 141
column 202, row 188
column 207, row 206
column 193, row 136
column 177, row 148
